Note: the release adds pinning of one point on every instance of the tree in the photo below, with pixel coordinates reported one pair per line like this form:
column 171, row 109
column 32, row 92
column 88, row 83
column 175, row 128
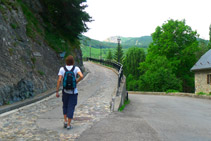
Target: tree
column 134, row 56
column 203, row 48
column 209, row 44
column 158, row 75
column 210, row 33
column 177, row 42
column 109, row 56
column 68, row 16
column 118, row 56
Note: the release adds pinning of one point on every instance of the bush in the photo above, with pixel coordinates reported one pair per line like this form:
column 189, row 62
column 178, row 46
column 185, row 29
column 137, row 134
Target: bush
column 201, row 93
column 172, row 91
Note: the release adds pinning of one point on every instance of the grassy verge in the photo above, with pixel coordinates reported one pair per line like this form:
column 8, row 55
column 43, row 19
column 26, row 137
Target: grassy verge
column 51, row 35
column 123, row 106
column 202, row 93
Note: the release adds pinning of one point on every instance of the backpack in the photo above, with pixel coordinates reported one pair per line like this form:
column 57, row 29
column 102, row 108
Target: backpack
column 69, row 80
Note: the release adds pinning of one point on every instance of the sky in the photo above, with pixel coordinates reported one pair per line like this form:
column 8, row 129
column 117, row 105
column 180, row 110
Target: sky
column 136, row 18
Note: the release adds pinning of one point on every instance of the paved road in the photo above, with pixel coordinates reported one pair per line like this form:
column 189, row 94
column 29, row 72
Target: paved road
column 44, row 120
column 154, row 118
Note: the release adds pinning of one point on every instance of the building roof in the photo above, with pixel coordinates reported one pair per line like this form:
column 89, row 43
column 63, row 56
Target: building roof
column 204, row 62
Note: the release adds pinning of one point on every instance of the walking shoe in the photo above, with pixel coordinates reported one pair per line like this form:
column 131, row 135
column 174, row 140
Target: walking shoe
column 65, row 124
column 69, row 127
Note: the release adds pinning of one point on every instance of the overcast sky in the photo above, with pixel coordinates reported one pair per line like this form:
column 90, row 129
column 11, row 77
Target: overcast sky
column 136, row 18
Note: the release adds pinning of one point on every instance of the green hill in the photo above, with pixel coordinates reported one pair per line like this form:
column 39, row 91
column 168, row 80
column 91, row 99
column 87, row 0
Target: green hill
column 91, row 47
column 111, row 42
column 143, row 41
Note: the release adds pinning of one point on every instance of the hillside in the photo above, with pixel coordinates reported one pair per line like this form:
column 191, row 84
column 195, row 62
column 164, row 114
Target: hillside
column 111, row 42
column 29, row 46
column 127, row 42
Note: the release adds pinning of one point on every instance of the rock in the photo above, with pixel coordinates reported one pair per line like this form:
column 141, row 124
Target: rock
column 28, row 66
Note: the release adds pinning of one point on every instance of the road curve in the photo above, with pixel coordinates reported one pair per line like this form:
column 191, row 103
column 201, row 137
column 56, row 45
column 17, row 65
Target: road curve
column 156, row 118
column 44, row 120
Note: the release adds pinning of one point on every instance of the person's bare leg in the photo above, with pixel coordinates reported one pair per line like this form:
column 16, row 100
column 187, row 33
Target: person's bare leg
column 65, row 118
column 69, row 121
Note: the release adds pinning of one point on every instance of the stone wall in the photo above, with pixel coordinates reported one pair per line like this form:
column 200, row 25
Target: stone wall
column 28, row 66
column 201, row 81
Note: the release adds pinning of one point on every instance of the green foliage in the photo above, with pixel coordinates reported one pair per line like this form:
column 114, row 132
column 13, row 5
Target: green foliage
column 55, row 40
column 95, row 52
column 172, row 91
column 118, row 56
column 41, row 72
column 202, row 93
column 142, row 42
column 95, row 43
column 203, row 48
column 53, row 35
column 33, row 59
column 11, row 51
column 110, row 56
column 33, row 26
column 126, row 102
column 177, row 43
column 134, row 56
column 8, row 4
column 2, row 9
column 14, row 25
column 69, row 17
column 132, row 83
column 210, row 33
column 157, row 75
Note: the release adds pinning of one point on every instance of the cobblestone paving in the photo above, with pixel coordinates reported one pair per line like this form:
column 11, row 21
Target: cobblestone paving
column 22, row 124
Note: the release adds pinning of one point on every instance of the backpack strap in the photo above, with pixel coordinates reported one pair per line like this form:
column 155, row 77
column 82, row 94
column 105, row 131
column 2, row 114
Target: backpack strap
column 65, row 69
column 73, row 68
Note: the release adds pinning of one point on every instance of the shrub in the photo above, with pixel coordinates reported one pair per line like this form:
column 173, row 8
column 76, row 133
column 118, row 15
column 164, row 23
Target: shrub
column 172, row 91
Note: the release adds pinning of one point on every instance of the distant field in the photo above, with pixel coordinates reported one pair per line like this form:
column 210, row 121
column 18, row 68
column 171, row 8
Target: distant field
column 95, row 52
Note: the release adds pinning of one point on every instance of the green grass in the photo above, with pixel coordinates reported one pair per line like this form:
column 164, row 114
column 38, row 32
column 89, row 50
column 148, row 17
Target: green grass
column 172, row 91
column 41, row 72
column 123, row 106
column 11, row 51
column 33, row 27
column 14, row 25
column 95, row 52
column 2, row 9
column 33, row 59
column 202, row 93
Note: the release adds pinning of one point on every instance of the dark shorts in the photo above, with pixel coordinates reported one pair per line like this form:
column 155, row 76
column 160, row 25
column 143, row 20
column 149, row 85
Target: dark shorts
column 69, row 103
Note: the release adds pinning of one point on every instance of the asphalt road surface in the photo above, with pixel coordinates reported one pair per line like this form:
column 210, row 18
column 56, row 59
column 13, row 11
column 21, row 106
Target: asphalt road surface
column 149, row 117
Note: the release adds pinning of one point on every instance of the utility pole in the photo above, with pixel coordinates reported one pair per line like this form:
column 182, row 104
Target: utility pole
column 118, row 40
column 90, row 53
column 100, row 51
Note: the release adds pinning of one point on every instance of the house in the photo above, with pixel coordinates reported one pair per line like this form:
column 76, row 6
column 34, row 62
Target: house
column 202, row 70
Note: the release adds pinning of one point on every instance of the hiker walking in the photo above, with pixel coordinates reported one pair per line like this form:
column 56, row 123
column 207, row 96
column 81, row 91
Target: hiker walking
column 69, row 93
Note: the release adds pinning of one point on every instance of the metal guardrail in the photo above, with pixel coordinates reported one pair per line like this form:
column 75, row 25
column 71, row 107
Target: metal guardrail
column 116, row 65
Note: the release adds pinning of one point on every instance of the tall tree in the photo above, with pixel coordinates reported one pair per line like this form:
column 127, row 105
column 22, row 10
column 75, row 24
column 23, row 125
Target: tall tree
column 109, row 56
column 178, row 43
column 134, row 56
column 69, row 16
column 118, row 56
column 210, row 33
column 209, row 44
column 158, row 76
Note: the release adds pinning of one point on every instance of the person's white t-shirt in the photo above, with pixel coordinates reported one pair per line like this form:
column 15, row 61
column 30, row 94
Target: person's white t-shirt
column 62, row 72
